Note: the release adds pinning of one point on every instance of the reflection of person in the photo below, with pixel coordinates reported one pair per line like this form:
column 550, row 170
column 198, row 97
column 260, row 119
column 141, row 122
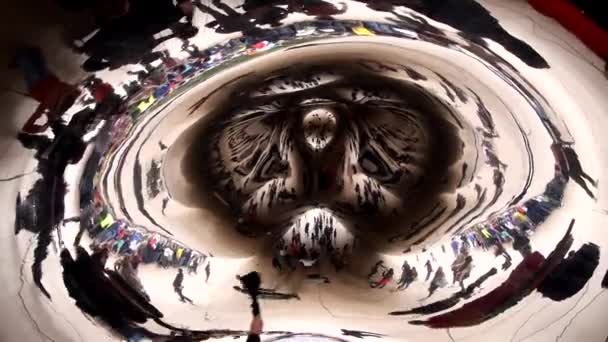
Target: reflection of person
column 429, row 269
column 269, row 293
column 99, row 258
column 377, row 266
column 43, row 209
column 103, row 294
column 130, row 37
column 438, row 281
column 178, row 286
column 387, row 5
column 521, row 243
column 408, row 275
column 228, row 22
column 455, row 246
column 321, row 9
column 132, row 48
column 576, row 171
column 387, row 276
column 54, row 96
column 570, row 165
column 207, row 271
column 461, row 269
column 107, row 102
column 255, row 329
column 264, row 12
column 127, row 268
column 251, row 282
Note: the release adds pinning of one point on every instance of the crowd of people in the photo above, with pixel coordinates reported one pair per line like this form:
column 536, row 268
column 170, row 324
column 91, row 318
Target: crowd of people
column 319, row 128
column 513, row 226
column 148, row 247
column 320, row 233
column 98, row 102
column 522, row 219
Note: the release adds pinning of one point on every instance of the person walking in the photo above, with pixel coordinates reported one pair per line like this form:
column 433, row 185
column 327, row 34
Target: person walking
column 413, row 276
column 438, row 281
column 429, row 270
column 207, row 271
column 178, row 286
column 377, row 266
column 406, row 271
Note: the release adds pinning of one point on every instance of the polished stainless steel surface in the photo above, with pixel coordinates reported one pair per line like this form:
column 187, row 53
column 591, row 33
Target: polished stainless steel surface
column 397, row 170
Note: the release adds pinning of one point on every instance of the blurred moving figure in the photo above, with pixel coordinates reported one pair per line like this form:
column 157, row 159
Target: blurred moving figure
column 53, row 95
column 42, row 211
column 178, row 286
column 104, row 295
column 127, row 268
column 251, row 283
column 438, row 281
column 131, row 38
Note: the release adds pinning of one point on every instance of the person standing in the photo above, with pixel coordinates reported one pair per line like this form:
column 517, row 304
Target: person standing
column 178, row 286
column 251, row 284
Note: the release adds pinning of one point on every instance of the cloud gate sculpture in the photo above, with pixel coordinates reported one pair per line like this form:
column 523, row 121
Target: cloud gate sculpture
column 396, row 170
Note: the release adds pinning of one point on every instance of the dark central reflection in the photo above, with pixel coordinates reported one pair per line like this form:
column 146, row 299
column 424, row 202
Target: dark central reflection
column 370, row 149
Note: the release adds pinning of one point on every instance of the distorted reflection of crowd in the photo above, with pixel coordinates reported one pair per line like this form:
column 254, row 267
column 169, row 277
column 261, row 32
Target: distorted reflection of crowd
column 513, row 226
column 320, row 234
column 128, row 34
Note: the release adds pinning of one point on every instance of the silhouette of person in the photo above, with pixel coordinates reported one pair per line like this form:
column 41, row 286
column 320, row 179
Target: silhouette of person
column 230, row 21
column 429, row 269
column 131, row 48
column 207, row 271
column 575, row 170
column 321, row 9
column 53, row 95
column 385, row 5
column 438, row 281
column 458, row 14
column 43, row 209
column 387, row 276
column 360, row 334
column 178, row 286
column 377, row 266
column 408, row 274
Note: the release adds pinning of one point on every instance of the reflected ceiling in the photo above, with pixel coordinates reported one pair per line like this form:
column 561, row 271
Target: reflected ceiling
column 392, row 170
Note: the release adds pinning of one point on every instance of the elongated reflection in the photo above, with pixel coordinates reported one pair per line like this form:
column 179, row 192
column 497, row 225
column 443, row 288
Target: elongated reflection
column 348, row 170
